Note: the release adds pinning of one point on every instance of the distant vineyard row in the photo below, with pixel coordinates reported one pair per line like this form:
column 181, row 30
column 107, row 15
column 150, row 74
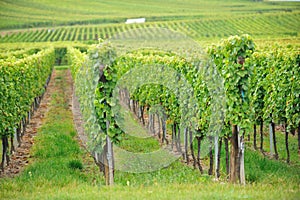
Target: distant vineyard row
column 280, row 25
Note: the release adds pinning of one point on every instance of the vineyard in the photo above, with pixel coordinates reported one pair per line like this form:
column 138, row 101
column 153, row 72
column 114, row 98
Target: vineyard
column 248, row 84
column 24, row 14
column 262, row 26
column 190, row 104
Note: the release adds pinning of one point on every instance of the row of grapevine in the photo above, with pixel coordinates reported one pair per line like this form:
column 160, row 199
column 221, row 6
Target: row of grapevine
column 22, row 85
column 22, row 53
column 263, row 25
column 249, row 95
column 166, row 96
column 86, row 72
column 275, row 92
column 205, row 82
column 145, row 98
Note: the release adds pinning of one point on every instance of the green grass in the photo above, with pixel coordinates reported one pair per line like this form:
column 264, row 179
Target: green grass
column 202, row 190
column 280, row 138
column 263, row 170
column 62, row 67
column 135, row 144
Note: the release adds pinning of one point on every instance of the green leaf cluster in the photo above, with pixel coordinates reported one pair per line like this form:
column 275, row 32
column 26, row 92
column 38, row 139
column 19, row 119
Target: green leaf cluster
column 275, row 88
column 20, row 82
column 231, row 58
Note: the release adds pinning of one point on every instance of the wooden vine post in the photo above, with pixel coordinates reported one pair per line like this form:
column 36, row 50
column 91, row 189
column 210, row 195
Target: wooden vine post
column 109, row 167
column 234, row 155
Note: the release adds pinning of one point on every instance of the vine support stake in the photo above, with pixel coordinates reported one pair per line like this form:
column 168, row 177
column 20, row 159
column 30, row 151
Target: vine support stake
column 109, row 156
column 271, row 139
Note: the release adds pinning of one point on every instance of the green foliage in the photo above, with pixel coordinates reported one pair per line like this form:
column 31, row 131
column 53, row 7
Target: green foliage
column 162, row 92
column 274, row 89
column 292, row 72
column 245, row 84
column 60, row 54
column 86, row 76
column 258, row 62
column 103, row 55
column 18, row 53
column 75, row 60
column 94, row 95
column 20, row 82
column 229, row 57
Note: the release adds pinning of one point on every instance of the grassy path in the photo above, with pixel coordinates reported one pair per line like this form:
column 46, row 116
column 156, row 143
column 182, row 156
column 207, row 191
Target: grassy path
column 58, row 162
column 60, row 169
